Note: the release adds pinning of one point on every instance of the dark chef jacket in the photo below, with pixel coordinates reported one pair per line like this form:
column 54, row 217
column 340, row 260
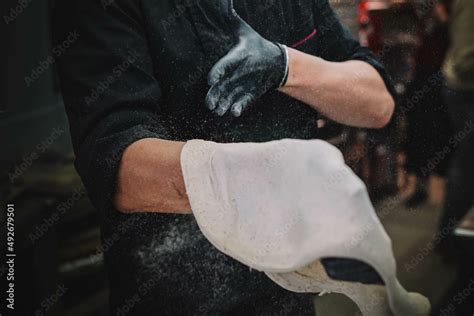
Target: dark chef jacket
column 137, row 69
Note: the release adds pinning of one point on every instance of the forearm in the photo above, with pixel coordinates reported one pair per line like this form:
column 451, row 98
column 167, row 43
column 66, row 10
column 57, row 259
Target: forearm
column 351, row 92
column 150, row 178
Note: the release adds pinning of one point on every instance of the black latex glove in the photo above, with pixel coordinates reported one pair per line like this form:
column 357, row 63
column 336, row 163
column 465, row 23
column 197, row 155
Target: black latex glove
column 351, row 270
column 252, row 67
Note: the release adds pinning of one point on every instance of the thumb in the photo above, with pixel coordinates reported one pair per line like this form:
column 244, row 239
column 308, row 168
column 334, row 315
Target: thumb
column 230, row 16
column 226, row 7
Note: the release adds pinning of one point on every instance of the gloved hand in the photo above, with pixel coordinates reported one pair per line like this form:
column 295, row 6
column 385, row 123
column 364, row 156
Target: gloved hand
column 252, row 67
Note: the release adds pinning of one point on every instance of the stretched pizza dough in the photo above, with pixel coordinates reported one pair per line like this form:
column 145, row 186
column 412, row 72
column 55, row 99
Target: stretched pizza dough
column 279, row 207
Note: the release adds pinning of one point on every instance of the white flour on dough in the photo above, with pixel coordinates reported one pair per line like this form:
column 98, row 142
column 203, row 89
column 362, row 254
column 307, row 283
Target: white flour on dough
column 279, row 207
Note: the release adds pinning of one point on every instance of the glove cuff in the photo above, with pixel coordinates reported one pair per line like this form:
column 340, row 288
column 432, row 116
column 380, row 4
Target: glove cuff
column 286, row 62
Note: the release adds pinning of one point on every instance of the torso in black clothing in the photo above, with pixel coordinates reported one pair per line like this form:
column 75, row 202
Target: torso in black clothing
column 190, row 275
column 162, row 264
column 186, row 43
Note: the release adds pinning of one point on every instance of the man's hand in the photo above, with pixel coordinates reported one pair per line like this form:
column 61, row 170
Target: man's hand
column 252, row 67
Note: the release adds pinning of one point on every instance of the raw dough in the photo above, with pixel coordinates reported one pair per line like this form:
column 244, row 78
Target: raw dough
column 279, row 207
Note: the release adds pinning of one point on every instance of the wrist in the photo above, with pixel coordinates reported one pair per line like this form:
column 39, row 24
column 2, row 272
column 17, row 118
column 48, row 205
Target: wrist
column 291, row 80
column 286, row 65
column 302, row 70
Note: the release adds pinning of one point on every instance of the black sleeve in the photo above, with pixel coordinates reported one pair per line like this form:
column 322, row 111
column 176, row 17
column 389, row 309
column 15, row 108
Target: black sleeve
column 336, row 43
column 110, row 93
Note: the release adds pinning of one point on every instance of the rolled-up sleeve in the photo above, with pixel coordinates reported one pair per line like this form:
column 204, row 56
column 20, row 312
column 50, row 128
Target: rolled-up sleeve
column 336, row 43
column 109, row 90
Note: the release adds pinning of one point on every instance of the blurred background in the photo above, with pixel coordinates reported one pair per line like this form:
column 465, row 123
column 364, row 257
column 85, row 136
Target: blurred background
column 59, row 267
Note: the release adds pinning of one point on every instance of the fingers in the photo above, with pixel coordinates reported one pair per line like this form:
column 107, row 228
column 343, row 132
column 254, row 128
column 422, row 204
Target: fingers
column 225, row 66
column 228, row 94
column 215, row 93
column 226, row 102
column 223, row 93
column 240, row 105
